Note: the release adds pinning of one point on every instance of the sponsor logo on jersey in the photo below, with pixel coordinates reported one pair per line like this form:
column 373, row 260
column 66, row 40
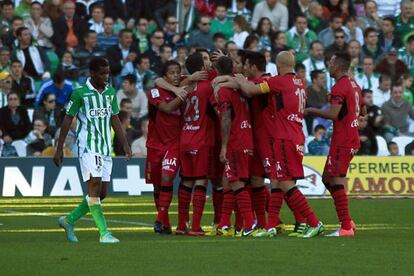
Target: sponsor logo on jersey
column 297, row 82
column 189, row 127
column 294, row 118
column 100, row 112
column 245, row 124
column 266, row 163
column 169, row 162
column 69, row 105
column 355, row 123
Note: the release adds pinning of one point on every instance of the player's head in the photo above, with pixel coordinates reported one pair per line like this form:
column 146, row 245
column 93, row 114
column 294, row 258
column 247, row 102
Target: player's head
column 224, row 66
column 339, row 64
column 254, row 63
column 171, row 72
column 194, row 63
column 368, row 98
column 206, row 57
column 393, row 148
column 99, row 70
column 285, row 62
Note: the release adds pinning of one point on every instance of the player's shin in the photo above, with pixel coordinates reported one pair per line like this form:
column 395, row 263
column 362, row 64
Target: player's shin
column 184, row 199
column 341, row 205
column 227, row 208
column 81, row 210
column 298, row 201
column 244, row 203
column 217, row 203
column 275, row 204
column 199, row 200
column 166, row 194
column 259, row 200
column 95, row 208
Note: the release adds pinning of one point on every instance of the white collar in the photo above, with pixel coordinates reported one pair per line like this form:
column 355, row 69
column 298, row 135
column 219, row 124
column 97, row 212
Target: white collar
column 92, row 88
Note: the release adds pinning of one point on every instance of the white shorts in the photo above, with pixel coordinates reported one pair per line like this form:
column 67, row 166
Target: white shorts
column 95, row 165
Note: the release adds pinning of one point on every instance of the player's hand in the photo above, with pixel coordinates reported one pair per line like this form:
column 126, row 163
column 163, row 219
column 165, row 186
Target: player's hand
column 223, row 153
column 306, row 112
column 216, row 55
column 220, row 79
column 198, row 76
column 58, row 157
column 128, row 152
column 180, row 92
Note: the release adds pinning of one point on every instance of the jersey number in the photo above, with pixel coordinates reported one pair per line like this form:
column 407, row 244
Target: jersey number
column 300, row 92
column 357, row 108
column 192, row 102
column 98, row 161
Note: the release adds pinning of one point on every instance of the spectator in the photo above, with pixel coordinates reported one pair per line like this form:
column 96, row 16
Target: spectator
column 221, row 24
column 316, row 59
column 316, row 20
column 71, row 138
column 405, row 21
column 367, row 79
column 23, row 9
column 407, row 82
column 38, row 139
column 15, row 123
column 84, row 53
column 374, row 113
column 409, row 149
column 6, row 16
column 172, row 37
column 96, row 22
column 367, row 139
column 275, row 11
column 387, row 38
column 297, row 8
column 239, row 8
column 138, row 147
column 107, row 38
column 339, row 44
column 157, row 40
column 125, row 123
column 23, row 85
column 393, row 149
column 279, row 43
column 326, row 36
column 69, row 29
column 392, row 66
column 316, row 94
column 48, row 113
column 58, row 86
column 40, row 27
column 371, row 18
column 300, row 70
column 232, row 49
column 270, row 66
column 141, row 34
column 138, row 99
column 251, row 43
column 396, row 113
column 203, row 36
column 122, row 10
column 4, row 59
column 121, row 56
column 371, row 47
column 241, row 31
column 126, row 105
column 69, row 70
column 10, row 39
column 33, row 58
column 383, row 93
column 320, row 144
column 182, row 53
column 354, row 50
column 52, row 9
column 145, row 77
column 265, row 33
column 5, row 88
column 343, row 7
column 407, row 54
column 352, row 31
column 219, row 41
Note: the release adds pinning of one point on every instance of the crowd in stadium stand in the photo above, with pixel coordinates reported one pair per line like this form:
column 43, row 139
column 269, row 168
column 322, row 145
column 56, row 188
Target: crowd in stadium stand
column 46, row 47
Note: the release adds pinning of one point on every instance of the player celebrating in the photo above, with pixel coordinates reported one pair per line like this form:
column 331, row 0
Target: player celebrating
column 96, row 108
column 164, row 130
column 345, row 107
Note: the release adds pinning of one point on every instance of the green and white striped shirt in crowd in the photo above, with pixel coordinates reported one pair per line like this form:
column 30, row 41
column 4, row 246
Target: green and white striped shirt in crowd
column 94, row 111
column 407, row 58
column 3, row 99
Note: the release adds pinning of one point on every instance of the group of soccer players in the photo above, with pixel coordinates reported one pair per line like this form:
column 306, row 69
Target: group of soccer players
column 230, row 123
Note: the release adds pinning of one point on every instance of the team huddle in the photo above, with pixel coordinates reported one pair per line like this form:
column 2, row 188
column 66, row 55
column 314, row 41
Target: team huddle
column 230, row 123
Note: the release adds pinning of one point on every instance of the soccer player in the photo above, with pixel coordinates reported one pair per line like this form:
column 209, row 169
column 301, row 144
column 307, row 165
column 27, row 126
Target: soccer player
column 345, row 108
column 195, row 148
column 164, row 130
column 236, row 149
column 283, row 120
column 96, row 108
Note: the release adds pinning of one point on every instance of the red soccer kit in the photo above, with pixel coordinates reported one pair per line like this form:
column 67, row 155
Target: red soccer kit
column 195, row 141
column 240, row 142
column 283, row 119
column 345, row 138
column 164, row 130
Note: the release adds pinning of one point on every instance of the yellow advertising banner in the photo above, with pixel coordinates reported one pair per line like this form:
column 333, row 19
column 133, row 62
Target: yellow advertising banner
column 366, row 176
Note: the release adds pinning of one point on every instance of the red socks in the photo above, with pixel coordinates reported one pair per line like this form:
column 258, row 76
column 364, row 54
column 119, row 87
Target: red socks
column 245, row 205
column 165, row 198
column 184, row 199
column 199, row 200
column 259, row 205
column 342, row 206
column 299, row 203
column 275, row 203
column 267, row 196
column 238, row 222
column 227, row 208
column 217, row 203
column 298, row 217
column 156, row 195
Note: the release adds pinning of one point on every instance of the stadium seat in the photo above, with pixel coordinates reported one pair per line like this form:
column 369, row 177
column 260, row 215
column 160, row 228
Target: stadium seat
column 402, row 142
column 20, row 147
column 382, row 146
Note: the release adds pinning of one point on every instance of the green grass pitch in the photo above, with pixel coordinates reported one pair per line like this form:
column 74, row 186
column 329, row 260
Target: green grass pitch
column 32, row 244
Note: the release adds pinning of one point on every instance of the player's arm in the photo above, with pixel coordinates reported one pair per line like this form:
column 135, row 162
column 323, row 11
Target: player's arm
column 330, row 114
column 248, row 89
column 58, row 157
column 120, row 133
column 225, row 133
column 170, row 106
column 178, row 91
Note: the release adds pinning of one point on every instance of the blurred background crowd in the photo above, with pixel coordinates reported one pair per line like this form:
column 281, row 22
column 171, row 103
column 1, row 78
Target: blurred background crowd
column 46, row 46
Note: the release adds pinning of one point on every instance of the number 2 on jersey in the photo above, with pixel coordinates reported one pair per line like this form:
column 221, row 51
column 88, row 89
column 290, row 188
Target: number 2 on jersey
column 193, row 101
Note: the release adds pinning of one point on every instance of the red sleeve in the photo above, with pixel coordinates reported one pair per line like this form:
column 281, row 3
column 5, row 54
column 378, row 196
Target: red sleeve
column 155, row 96
column 224, row 101
column 212, row 74
column 336, row 97
column 274, row 84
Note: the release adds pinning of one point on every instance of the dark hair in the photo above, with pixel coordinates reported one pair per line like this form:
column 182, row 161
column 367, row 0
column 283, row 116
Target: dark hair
column 201, row 49
column 368, row 31
column 259, row 27
column 167, row 65
column 334, row 16
column 13, row 92
column 123, row 31
column 249, row 40
column 6, row 3
column 97, row 6
column 98, row 62
column 87, row 33
column 318, row 127
column 339, row 30
column 410, row 38
column 242, row 22
column 36, row 3
column 384, row 77
column 46, row 95
column 194, row 62
column 125, row 101
column 123, row 116
column 366, row 91
column 389, row 19
column 59, row 77
column 255, row 58
column 131, row 78
column 299, row 66
column 15, row 61
column 218, row 36
column 15, row 18
column 314, row 74
column 224, row 65
column 370, row 1
column 20, row 30
column 315, row 42
column 391, row 144
column 163, row 47
column 139, row 58
column 368, row 57
column 301, row 16
column 156, row 31
column 343, row 60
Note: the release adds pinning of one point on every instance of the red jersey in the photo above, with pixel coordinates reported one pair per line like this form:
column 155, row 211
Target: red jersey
column 241, row 137
column 197, row 117
column 347, row 93
column 164, row 129
column 284, row 114
column 259, row 104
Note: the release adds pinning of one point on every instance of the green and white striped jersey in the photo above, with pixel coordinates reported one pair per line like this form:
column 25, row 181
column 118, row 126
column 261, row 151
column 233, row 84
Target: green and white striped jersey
column 94, row 111
column 406, row 57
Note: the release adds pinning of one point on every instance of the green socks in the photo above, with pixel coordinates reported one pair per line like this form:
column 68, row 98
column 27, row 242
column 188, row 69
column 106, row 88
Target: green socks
column 78, row 212
column 98, row 217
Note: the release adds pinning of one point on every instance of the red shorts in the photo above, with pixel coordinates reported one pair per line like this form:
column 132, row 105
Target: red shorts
column 195, row 163
column 288, row 160
column 338, row 161
column 262, row 157
column 238, row 166
column 215, row 167
column 161, row 163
